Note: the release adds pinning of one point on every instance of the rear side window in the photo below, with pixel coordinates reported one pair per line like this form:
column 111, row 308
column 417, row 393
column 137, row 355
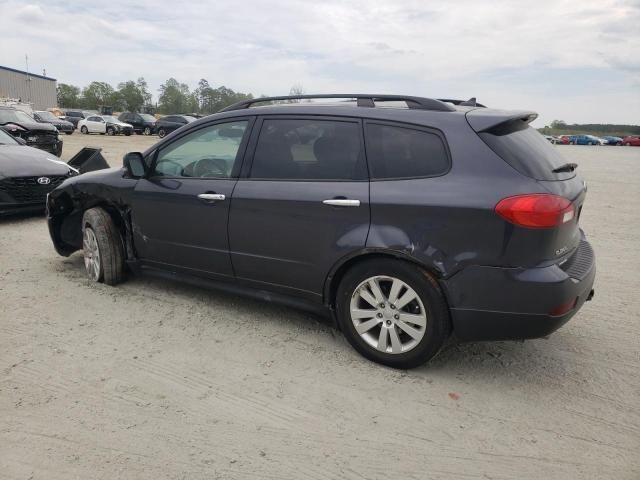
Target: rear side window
column 522, row 147
column 399, row 152
column 300, row 149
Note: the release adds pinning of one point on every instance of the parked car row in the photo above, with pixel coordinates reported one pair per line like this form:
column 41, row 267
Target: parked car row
column 631, row 140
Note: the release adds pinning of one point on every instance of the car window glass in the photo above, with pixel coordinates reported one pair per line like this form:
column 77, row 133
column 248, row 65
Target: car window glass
column 399, row 152
column 208, row 152
column 296, row 149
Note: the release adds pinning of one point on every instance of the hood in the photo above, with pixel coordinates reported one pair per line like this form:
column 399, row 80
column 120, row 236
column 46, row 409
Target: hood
column 31, row 126
column 62, row 123
column 23, row 161
column 119, row 123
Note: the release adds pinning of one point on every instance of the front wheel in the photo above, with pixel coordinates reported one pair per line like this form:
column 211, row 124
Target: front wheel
column 627, row 144
column 102, row 247
column 146, row 131
column 111, row 131
column 392, row 313
column 161, row 133
column 84, row 130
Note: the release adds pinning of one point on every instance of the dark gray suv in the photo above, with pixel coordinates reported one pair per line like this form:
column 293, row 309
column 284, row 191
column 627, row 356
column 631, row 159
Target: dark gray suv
column 405, row 218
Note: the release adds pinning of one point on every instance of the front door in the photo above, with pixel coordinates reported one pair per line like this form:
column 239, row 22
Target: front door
column 304, row 205
column 180, row 211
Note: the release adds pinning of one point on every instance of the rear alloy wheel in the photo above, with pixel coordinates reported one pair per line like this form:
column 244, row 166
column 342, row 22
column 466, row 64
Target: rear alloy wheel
column 146, row 131
column 84, row 130
column 161, row 133
column 392, row 313
column 102, row 247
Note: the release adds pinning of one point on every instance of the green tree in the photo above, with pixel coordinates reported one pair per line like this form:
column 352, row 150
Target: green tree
column 141, row 83
column 68, row 95
column 175, row 97
column 129, row 97
column 97, row 94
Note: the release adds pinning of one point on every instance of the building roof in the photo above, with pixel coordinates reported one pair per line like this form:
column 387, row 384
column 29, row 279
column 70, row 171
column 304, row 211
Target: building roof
column 27, row 73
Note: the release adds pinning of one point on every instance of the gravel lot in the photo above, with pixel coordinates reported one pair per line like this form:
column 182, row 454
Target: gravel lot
column 158, row 380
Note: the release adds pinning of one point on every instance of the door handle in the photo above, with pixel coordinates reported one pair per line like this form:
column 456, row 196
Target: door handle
column 342, row 202
column 211, row 197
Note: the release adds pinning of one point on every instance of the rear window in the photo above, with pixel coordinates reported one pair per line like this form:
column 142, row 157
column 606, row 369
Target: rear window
column 301, row 149
column 399, row 152
column 522, row 147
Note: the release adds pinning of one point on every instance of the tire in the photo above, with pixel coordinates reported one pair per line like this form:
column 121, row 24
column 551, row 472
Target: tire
column 428, row 335
column 127, row 133
column 618, row 144
column 102, row 247
column 572, row 143
column 146, row 131
column 111, row 131
column 161, row 133
column 69, row 133
column 84, row 130
column 627, row 144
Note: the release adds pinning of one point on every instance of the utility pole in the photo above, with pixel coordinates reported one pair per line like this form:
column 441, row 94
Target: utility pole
column 26, row 59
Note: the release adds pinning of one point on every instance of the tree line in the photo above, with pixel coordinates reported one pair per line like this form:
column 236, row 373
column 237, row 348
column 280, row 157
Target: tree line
column 174, row 97
column 559, row 127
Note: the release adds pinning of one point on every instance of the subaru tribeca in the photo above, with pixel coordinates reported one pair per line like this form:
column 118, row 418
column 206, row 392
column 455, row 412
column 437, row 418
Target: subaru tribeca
column 406, row 218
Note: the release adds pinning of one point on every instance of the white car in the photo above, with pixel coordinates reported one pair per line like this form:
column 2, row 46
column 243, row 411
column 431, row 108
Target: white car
column 104, row 124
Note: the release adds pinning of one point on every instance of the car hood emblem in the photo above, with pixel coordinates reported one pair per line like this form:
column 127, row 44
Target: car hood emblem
column 44, row 180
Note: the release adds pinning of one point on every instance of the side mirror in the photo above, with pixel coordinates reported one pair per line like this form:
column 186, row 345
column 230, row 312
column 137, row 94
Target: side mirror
column 133, row 162
column 20, row 140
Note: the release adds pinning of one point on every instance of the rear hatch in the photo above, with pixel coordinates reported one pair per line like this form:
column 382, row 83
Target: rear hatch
column 511, row 137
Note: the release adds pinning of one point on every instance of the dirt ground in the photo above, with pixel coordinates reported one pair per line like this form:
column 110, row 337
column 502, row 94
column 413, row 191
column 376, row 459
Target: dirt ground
column 158, row 380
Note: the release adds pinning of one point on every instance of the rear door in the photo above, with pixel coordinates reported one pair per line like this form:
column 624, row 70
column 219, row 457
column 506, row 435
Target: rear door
column 302, row 204
column 180, row 212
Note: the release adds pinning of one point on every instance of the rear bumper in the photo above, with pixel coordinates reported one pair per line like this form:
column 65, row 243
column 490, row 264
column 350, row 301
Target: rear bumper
column 492, row 303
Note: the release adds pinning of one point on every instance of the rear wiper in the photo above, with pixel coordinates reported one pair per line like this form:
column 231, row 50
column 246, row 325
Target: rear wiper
column 567, row 167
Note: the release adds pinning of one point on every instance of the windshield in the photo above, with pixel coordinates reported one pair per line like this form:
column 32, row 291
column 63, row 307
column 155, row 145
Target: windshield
column 6, row 139
column 17, row 116
column 110, row 118
column 48, row 116
column 148, row 118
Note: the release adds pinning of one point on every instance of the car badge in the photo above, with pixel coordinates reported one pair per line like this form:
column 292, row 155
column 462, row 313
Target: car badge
column 44, row 180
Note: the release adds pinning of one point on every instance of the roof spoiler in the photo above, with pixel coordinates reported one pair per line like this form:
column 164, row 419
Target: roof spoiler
column 482, row 120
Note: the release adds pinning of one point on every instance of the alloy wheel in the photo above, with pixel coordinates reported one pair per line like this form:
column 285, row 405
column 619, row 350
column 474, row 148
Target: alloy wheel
column 91, row 254
column 388, row 314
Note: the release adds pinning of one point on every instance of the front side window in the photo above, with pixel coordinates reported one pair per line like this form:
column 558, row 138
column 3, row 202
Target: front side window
column 399, row 152
column 210, row 152
column 297, row 149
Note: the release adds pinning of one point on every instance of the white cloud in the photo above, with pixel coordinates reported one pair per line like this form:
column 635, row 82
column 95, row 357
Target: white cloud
column 455, row 49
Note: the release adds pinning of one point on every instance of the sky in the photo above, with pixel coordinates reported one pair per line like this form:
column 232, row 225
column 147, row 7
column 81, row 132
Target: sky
column 572, row 60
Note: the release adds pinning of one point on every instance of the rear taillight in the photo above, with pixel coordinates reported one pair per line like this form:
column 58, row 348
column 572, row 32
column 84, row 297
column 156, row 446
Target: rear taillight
column 537, row 210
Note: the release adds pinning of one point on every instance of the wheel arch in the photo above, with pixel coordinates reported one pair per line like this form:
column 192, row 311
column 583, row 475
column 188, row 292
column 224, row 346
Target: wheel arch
column 338, row 271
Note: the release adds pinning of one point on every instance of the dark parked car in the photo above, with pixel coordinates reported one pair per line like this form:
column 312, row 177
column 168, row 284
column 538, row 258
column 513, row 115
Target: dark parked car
column 39, row 135
column 170, row 123
column 141, row 122
column 27, row 175
column 584, row 140
column 74, row 116
column 61, row 125
column 406, row 224
column 610, row 140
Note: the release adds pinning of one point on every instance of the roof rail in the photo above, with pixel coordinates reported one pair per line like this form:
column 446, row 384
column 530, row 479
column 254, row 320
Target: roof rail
column 363, row 100
column 463, row 103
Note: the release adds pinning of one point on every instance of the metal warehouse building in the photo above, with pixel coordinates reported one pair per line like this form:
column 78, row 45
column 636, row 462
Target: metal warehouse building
column 38, row 90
